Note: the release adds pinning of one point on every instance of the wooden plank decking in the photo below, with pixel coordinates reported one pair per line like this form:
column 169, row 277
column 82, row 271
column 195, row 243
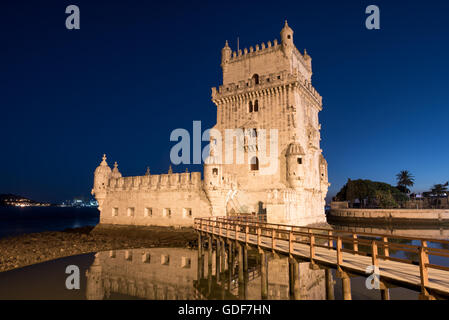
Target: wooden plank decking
column 305, row 245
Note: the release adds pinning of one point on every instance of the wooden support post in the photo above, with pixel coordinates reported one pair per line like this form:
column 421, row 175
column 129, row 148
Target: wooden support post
column 209, row 257
column 223, row 256
column 294, row 285
column 273, row 239
column 245, row 259
column 329, row 284
column 259, row 236
column 346, row 284
column 231, row 258
column 264, row 275
column 217, row 259
column 200, row 244
column 240, row 251
column 246, row 234
column 331, row 240
column 385, row 293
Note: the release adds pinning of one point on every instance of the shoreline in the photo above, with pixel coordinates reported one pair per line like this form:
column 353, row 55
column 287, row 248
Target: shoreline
column 28, row 249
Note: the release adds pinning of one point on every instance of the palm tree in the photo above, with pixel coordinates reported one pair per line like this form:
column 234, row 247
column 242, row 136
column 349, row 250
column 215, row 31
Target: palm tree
column 439, row 190
column 405, row 179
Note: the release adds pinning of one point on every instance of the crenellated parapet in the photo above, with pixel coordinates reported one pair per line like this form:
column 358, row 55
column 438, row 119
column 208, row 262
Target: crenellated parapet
column 267, row 85
column 166, row 182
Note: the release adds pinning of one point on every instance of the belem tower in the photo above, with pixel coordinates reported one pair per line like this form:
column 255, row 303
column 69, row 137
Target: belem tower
column 266, row 88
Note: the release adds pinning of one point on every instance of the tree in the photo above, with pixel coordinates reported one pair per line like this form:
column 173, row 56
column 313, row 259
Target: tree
column 438, row 190
column 404, row 180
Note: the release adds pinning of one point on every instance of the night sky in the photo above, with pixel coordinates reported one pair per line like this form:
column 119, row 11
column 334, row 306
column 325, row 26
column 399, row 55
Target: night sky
column 136, row 70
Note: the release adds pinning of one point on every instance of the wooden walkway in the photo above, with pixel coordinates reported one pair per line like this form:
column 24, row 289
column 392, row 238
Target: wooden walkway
column 349, row 253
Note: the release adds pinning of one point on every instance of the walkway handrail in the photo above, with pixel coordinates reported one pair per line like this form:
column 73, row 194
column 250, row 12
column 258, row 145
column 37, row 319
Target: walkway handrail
column 376, row 245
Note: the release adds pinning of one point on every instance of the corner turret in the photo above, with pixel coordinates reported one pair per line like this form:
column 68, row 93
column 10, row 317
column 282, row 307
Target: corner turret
column 287, row 40
column 101, row 179
column 225, row 56
column 295, row 168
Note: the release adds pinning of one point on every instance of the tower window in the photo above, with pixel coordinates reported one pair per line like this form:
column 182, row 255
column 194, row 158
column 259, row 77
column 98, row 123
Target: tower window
column 256, row 79
column 256, row 106
column 130, row 212
column 214, row 171
column 114, row 212
column 254, row 164
column 299, row 160
column 148, row 212
column 250, row 106
column 254, row 133
column 289, row 36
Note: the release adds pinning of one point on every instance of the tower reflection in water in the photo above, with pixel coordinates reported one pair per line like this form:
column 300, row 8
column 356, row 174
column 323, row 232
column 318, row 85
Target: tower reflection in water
column 183, row 274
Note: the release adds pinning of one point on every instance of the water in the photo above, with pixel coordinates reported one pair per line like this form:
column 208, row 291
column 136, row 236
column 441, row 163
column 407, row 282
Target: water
column 161, row 273
column 15, row 221
column 171, row 274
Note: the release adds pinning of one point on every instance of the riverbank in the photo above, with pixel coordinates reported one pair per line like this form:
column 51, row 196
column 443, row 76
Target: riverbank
column 390, row 216
column 28, row 249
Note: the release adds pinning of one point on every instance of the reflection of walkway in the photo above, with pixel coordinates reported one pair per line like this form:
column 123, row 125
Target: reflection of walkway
column 317, row 246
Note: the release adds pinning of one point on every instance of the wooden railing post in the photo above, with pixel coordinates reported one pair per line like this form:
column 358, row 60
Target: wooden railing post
column 330, row 239
column 236, row 231
column 355, row 244
column 273, row 239
column 374, row 253
column 312, row 247
column 339, row 255
column 386, row 249
column 259, row 236
column 290, row 243
column 246, row 233
column 423, row 261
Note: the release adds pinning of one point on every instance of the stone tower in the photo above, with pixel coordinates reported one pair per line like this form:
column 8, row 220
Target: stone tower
column 268, row 109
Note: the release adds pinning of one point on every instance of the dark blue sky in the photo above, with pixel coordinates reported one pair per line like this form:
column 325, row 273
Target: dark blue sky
column 136, row 70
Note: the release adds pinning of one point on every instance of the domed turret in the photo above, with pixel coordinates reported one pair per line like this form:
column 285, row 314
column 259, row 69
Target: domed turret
column 287, row 39
column 115, row 173
column 212, row 169
column 295, row 169
column 225, row 55
column 101, row 178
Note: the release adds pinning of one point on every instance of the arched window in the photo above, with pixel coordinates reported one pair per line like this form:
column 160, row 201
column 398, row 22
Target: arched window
column 254, row 164
column 250, row 106
column 254, row 133
column 256, row 78
column 214, row 171
column 256, row 106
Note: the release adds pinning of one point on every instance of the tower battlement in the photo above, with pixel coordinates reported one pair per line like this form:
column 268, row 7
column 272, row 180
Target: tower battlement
column 264, row 84
column 168, row 181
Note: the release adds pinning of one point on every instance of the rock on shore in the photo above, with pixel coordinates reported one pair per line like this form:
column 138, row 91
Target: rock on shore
column 20, row 251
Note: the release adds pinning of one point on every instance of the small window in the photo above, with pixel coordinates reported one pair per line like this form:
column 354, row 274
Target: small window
column 167, row 213
column 289, row 37
column 215, row 171
column 250, row 106
column 256, row 106
column 112, row 254
column 256, row 79
column 299, row 160
column 186, row 262
column 279, row 77
column 130, row 212
column 114, row 212
column 186, row 213
column 254, row 164
column 254, row 133
column 165, row 259
column 146, row 257
column 148, row 212
column 128, row 255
